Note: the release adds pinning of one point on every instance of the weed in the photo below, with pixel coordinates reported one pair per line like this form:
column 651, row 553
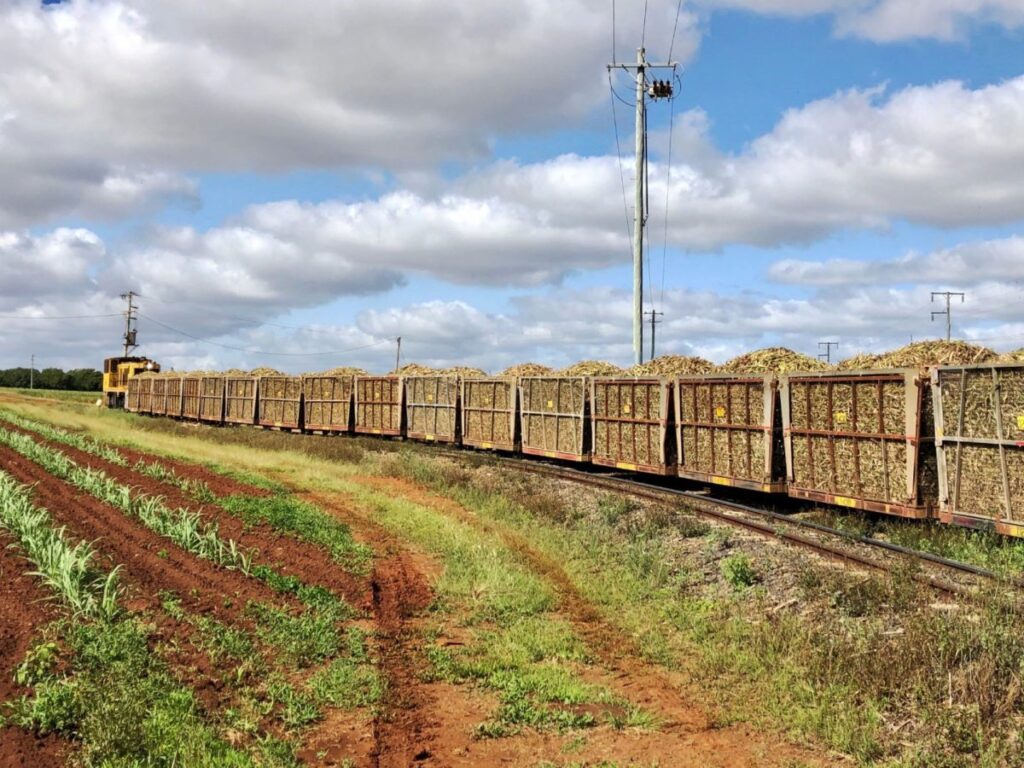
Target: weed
column 304, row 640
column 738, row 571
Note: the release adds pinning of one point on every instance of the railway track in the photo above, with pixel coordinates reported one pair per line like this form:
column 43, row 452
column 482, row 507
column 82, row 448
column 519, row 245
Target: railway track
column 832, row 543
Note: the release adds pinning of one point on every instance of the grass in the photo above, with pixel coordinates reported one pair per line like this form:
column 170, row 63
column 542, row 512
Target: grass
column 862, row 657
column 64, row 395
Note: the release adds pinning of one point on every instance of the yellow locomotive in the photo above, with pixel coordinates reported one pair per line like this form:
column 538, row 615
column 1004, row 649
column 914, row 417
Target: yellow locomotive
column 117, row 371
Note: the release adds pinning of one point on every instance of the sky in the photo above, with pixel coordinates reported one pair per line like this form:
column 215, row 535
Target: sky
column 295, row 185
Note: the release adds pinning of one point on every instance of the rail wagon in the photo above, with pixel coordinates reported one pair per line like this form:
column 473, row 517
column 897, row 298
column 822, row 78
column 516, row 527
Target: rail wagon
column 554, row 418
column 172, row 396
column 862, row 439
column 431, row 408
column 489, row 413
column 131, row 400
column 145, row 394
column 630, row 424
column 211, row 399
column 378, row 402
column 280, row 402
column 240, row 396
column 191, row 397
column 729, row 431
column 979, row 430
column 158, row 405
column 327, row 402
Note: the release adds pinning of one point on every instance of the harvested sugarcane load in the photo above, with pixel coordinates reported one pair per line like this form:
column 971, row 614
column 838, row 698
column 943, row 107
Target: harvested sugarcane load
column 211, row 398
column 554, row 417
column 191, row 395
column 489, row 413
column 240, row 398
column 672, row 365
column 862, row 439
column 327, row 399
column 378, row 401
column 862, row 362
column 464, row 372
column 280, row 401
column 923, row 354
column 979, row 427
column 431, row 408
column 413, row 369
column 1016, row 356
column 527, row 369
column 772, row 360
column 729, row 430
column 592, row 368
column 266, row 372
column 630, row 424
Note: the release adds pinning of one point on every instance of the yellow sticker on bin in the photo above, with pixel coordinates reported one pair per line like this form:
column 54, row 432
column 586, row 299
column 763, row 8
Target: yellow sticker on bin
column 840, row 417
column 625, row 408
column 1020, row 421
column 551, row 403
column 719, row 411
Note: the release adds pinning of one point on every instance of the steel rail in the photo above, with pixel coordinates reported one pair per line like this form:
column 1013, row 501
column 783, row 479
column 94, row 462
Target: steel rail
column 712, row 508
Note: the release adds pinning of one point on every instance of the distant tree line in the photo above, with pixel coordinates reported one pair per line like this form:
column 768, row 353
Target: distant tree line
column 79, row 379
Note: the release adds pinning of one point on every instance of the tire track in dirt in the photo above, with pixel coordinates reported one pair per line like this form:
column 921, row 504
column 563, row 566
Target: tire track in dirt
column 24, row 607
column 286, row 554
column 685, row 734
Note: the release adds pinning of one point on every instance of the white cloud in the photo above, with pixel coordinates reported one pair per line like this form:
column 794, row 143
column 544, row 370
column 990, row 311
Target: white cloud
column 114, row 100
column 889, row 21
column 963, row 265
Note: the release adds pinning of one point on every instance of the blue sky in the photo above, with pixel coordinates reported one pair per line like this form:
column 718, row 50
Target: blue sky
column 265, row 190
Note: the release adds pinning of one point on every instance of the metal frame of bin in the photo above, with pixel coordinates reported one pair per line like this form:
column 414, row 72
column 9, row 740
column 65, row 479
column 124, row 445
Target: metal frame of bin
column 269, row 408
column 390, row 401
column 444, row 395
column 131, row 398
column 913, row 437
column 578, row 414
column 768, row 428
column 950, row 442
column 249, row 401
column 630, row 420
column 316, row 402
column 173, row 396
column 158, row 395
column 145, row 394
column 490, row 414
column 211, row 399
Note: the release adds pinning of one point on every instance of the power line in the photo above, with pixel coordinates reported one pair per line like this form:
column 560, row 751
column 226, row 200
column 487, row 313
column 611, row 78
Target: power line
column 58, row 316
column 668, row 185
column 643, row 32
column 618, row 154
column 252, row 320
column 252, row 351
column 949, row 310
column 828, row 346
column 675, row 27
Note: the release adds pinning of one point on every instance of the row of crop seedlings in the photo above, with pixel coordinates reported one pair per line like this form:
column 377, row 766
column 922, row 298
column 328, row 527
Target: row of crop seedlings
column 907, row 442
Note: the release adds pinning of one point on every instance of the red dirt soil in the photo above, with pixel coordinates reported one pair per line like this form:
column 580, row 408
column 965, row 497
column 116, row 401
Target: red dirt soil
column 436, row 724
column 286, row 554
column 23, row 610
column 150, row 563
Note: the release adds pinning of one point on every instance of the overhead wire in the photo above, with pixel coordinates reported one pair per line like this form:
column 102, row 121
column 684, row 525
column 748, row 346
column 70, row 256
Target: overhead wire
column 252, row 320
column 618, row 154
column 675, row 27
column 59, row 317
column 668, row 189
column 252, row 351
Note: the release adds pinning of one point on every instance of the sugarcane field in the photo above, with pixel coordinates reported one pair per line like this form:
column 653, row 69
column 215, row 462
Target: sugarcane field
column 630, row 384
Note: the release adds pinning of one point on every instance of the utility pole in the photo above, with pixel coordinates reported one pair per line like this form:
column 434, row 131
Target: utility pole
column 32, row 373
column 827, row 346
column 658, row 89
column 130, row 334
column 654, row 324
column 948, row 312
column 398, row 354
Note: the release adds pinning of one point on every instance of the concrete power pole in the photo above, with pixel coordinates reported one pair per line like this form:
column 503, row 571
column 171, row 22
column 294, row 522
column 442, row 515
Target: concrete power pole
column 32, row 373
column 828, row 346
column 657, row 90
column 130, row 317
column 654, row 324
column 398, row 353
column 948, row 312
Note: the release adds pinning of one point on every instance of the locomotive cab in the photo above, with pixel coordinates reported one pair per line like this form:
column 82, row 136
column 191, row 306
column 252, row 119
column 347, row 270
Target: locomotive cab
column 117, row 371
